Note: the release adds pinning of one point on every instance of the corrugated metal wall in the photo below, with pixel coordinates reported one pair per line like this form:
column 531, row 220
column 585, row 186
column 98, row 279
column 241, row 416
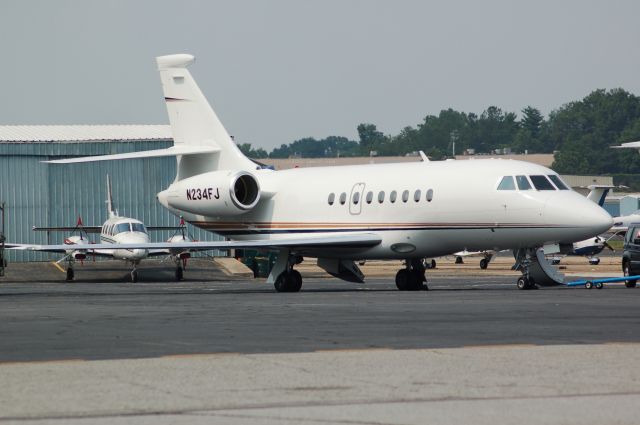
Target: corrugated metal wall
column 38, row 194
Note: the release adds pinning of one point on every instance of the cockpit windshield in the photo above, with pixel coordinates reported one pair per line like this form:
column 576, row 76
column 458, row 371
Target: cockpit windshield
column 541, row 183
column 138, row 227
column 122, row 227
column 558, row 182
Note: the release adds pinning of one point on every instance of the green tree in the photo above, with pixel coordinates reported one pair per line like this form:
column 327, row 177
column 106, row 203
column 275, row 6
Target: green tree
column 583, row 132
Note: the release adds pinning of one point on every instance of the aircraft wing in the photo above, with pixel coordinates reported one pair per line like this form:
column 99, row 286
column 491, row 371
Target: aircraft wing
column 86, row 229
column 356, row 240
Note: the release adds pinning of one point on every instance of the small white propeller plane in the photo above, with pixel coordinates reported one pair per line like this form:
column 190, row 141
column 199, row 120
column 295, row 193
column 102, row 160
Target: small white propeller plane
column 114, row 233
column 344, row 214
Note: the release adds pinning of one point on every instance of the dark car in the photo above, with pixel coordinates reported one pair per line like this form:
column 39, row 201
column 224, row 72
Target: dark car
column 631, row 254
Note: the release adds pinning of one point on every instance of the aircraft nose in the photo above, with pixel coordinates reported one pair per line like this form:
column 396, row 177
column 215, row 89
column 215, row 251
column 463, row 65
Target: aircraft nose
column 598, row 219
column 581, row 217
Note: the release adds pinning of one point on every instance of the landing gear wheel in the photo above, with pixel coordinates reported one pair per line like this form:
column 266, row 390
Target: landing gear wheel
column 70, row 274
column 296, row 281
column 588, row 285
column 524, row 284
column 599, row 285
column 414, row 281
column 134, row 276
column 627, row 272
column 433, row 264
column 179, row 273
column 484, row 263
column 459, row 260
column 288, row 281
column 402, row 280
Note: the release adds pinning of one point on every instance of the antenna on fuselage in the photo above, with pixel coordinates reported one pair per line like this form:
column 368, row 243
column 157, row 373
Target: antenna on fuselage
column 110, row 211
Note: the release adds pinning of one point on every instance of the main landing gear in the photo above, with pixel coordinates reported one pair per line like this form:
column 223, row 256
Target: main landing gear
column 412, row 278
column 288, row 281
column 283, row 276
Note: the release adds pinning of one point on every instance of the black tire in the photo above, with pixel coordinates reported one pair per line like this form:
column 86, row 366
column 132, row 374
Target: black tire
column 281, row 283
column 295, row 281
column 599, row 285
column 402, row 280
column 433, row 264
column 525, row 284
column 179, row 273
column 459, row 260
column 414, row 281
column 588, row 284
column 70, row 274
column 626, row 270
column 484, row 264
column 134, row 276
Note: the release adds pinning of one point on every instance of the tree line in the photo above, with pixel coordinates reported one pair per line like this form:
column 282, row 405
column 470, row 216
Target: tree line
column 579, row 133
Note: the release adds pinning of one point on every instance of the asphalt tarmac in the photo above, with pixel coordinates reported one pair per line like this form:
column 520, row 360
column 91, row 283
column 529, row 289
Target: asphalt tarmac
column 88, row 320
column 214, row 348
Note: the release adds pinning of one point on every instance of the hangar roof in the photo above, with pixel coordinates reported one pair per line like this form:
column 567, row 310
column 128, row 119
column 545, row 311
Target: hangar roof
column 76, row 133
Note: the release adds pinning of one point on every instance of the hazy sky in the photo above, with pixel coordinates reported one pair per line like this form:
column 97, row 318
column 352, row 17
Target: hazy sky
column 276, row 71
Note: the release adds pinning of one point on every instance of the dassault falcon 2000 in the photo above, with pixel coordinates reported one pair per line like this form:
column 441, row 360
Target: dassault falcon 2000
column 343, row 214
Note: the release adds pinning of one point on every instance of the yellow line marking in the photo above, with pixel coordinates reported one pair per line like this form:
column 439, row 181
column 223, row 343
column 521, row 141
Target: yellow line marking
column 353, row 350
column 56, row 265
column 186, row 356
column 16, row 362
column 501, row 346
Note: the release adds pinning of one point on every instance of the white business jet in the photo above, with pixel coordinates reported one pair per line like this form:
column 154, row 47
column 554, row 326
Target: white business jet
column 114, row 233
column 343, row 214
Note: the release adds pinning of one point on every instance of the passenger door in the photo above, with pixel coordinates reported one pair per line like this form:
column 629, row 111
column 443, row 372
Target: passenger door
column 355, row 200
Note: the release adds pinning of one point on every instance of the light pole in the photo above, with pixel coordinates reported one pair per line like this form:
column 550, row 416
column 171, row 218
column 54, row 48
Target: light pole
column 454, row 137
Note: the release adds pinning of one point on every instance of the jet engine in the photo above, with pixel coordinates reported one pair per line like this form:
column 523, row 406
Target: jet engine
column 213, row 194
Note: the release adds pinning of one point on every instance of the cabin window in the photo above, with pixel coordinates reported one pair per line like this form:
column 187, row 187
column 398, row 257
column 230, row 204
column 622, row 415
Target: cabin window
column 393, row 196
column 332, row 198
column 343, row 198
column 369, row 197
column 507, row 183
column 523, row 183
column 405, row 196
column 558, row 182
column 356, row 198
column 429, row 195
column 541, row 183
column 417, row 195
column 381, row 196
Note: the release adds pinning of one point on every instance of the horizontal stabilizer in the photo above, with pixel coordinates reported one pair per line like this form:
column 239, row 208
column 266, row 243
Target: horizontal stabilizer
column 156, row 153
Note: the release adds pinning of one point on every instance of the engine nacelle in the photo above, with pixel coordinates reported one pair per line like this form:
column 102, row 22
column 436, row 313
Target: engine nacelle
column 218, row 193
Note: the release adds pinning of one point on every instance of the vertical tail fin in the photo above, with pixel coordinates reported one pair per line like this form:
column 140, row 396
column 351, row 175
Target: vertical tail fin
column 194, row 122
column 598, row 193
column 110, row 211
